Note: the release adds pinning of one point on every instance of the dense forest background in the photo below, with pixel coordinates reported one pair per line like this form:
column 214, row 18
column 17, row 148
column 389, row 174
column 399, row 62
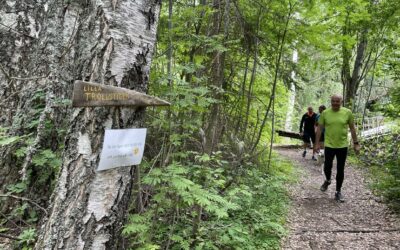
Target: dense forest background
column 234, row 71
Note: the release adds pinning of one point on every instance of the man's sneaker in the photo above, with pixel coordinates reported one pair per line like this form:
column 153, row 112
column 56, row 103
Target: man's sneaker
column 339, row 197
column 304, row 153
column 324, row 186
column 314, row 159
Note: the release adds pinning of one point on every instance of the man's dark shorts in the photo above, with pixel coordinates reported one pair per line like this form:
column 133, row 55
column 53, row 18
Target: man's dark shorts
column 307, row 136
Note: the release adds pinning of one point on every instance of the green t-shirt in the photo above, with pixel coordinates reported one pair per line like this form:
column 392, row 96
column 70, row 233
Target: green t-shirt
column 336, row 125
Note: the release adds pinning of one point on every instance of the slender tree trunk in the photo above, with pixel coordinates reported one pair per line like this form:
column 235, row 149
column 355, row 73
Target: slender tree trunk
column 243, row 91
column 292, row 97
column 250, row 90
column 281, row 43
column 170, row 49
column 247, row 37
column 113, row 45
column 354, row 81
column 192, row 52
column 346, row 57
column 369, row 92
column 351, row 77
column 217, row 75
column 272, row 133
column 253, row 75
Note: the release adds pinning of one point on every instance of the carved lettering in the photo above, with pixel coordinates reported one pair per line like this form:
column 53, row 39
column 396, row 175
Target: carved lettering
column 95, row 96
column 88, row 88
column 88, row 94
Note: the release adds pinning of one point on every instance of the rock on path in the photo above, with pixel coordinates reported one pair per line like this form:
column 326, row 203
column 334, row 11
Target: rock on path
column 317, row 221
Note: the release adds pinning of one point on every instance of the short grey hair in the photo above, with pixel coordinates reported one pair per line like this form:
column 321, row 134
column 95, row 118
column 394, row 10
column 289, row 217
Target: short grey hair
column 337, row 96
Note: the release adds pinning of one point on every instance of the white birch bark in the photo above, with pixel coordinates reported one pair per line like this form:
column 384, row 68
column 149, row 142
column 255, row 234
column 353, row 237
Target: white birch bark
column 112, row 44
column 28, row 50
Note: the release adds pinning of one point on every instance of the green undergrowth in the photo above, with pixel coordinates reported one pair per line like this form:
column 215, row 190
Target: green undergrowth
column 250, row 214
column 382, row 182
column 383, row 168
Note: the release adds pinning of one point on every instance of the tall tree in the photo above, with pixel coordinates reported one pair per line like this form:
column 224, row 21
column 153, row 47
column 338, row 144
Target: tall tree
column 292, row 95
column 364, row 24
column 220, row 27
column 31, row 82
column 112, row 45
column 351, row 76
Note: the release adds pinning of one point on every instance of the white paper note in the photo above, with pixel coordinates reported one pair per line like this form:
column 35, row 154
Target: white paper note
column 122, row 147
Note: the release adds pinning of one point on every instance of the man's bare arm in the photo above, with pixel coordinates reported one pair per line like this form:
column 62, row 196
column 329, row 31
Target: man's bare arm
column 354, row 137
column 353, row 132
column 318, row 136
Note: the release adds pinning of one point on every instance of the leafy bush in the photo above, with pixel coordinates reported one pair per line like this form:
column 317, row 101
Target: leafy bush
column 381, row 155
column 185, row 214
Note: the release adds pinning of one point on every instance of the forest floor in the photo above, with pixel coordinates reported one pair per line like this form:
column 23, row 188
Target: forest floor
column 317, row 221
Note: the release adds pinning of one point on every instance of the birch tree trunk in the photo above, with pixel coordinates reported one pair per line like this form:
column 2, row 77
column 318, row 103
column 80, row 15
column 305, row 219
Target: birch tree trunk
column 111, row 43
column 29, row 68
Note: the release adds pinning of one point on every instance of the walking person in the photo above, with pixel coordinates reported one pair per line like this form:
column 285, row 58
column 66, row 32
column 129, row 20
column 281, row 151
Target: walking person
column 336, row 121
column 320, row 155
column 308, row 122
column 322, row 138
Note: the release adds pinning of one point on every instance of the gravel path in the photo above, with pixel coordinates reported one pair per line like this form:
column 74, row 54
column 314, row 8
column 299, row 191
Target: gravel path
column 317, row 221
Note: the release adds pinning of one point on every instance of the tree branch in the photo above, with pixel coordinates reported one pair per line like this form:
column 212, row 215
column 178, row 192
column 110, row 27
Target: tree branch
column 8, row 236
column 24, row 199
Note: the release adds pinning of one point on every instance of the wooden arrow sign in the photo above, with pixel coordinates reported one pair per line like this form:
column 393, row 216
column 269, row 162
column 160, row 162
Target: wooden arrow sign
column 88, row 94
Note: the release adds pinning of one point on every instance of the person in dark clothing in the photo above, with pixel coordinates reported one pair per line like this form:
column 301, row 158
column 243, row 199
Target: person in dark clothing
column 308, row 123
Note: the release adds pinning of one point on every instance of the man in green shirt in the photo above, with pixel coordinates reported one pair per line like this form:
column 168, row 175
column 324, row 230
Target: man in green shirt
column 336, row 121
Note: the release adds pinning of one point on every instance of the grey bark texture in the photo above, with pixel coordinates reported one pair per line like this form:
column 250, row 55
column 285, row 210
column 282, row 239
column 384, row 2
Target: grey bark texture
column 28, row 48
column 113, row 45
column 48, row 45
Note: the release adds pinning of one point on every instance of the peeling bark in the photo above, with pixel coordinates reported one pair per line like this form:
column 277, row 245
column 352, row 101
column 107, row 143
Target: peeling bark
column 111, row 42
column 28, row 47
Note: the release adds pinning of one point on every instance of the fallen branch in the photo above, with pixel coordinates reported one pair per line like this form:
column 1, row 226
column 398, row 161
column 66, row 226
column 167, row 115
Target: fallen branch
column 24, row 199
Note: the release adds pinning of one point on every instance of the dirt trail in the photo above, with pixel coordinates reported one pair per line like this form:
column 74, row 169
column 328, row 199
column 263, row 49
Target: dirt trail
column 317, row 221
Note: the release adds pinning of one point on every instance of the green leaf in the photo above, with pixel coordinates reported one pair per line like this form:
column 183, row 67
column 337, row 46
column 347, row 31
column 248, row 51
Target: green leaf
column 9, row 140
column 17, row 188
column 27, row 236
column 204, row 158
column 21, row 152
